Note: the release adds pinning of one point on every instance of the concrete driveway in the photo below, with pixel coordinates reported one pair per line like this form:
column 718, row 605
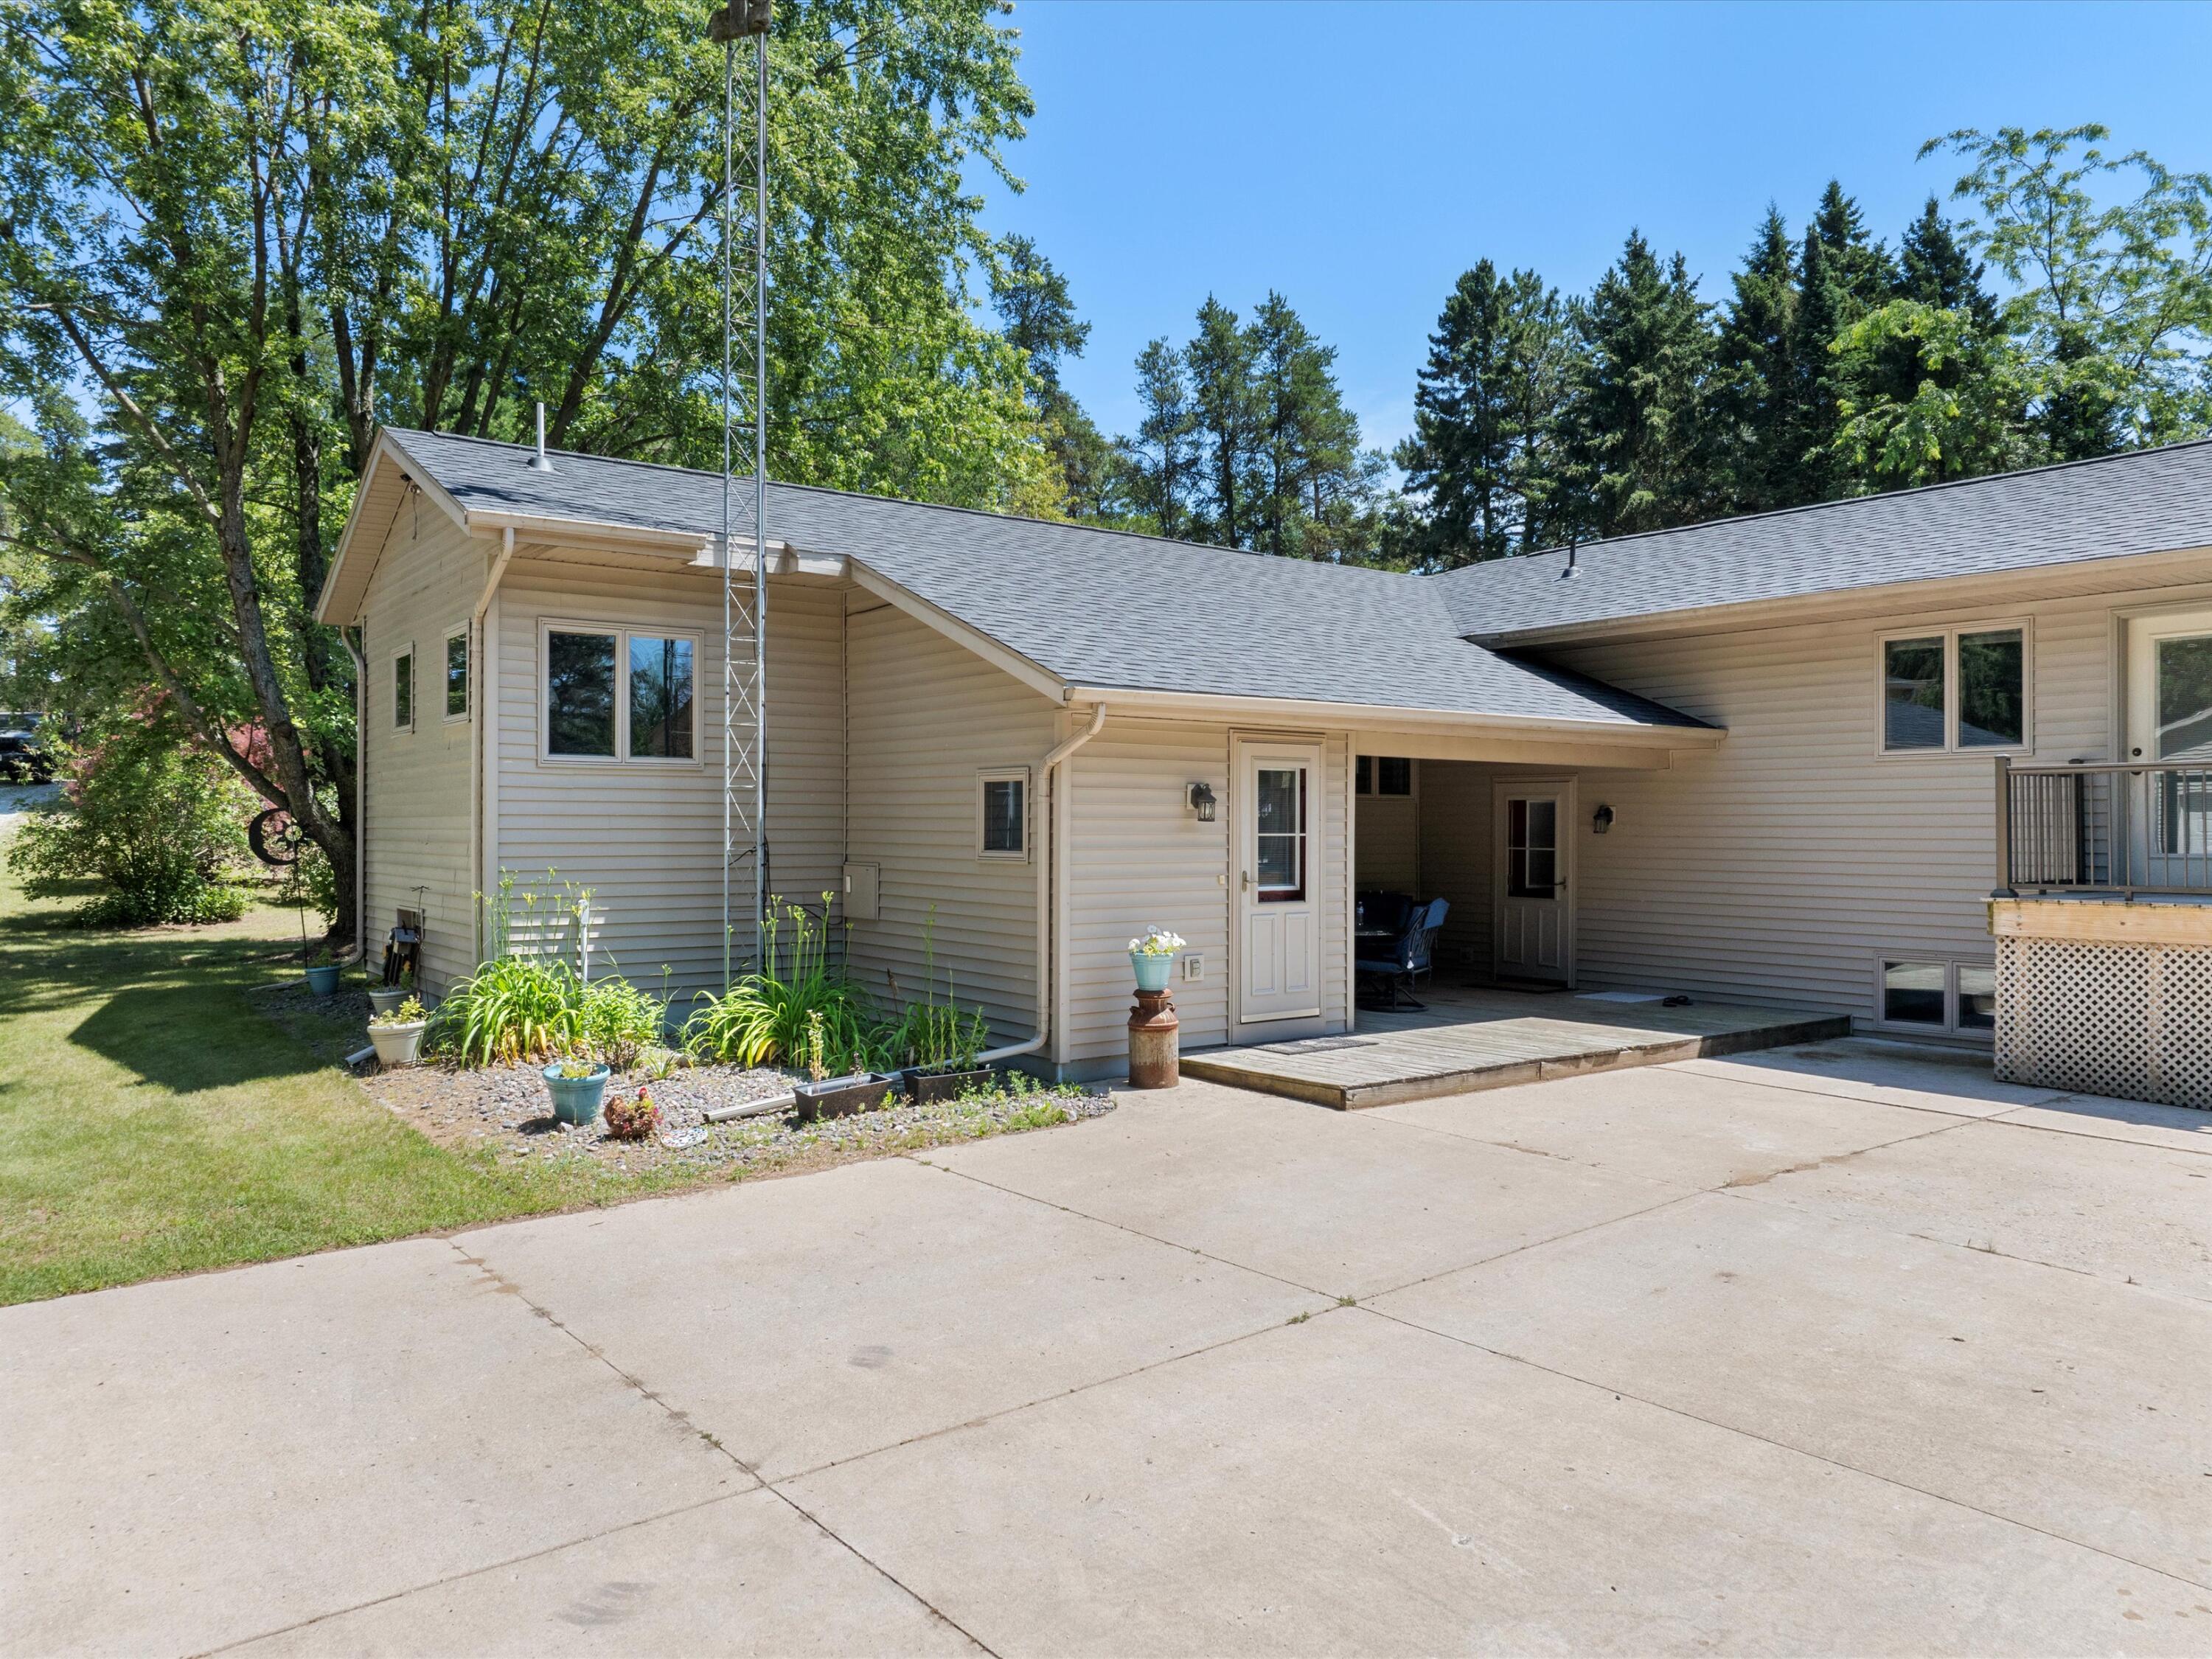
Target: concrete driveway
column 1845, row 1349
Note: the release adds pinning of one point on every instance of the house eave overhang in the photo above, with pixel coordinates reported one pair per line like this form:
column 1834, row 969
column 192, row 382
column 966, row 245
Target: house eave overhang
column 2155, row 568
column 1291, row 711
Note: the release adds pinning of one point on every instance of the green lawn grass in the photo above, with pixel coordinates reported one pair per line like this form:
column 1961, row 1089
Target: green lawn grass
column 153, row 1122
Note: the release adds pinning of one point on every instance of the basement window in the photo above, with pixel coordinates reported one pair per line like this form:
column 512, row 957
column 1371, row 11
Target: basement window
column 1937, row 995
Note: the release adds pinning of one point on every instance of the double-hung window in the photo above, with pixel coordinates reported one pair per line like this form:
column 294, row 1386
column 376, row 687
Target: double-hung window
column 1946, row 690
column 619, row 694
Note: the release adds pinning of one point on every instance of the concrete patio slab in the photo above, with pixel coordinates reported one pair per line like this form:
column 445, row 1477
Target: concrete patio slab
column 2182, row 1128
column 192, row 1462
column 747, row 1575
column 1928, row 1076
column 2132, row 1214
column 1669, row 1123
column 809, row 1320
column 1353, row 1486
column 2053, row 1399
column 1346, row 1205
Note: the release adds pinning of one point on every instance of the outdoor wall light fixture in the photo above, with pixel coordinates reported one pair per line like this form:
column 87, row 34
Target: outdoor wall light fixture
column 1200, row 796
column 1600, row 820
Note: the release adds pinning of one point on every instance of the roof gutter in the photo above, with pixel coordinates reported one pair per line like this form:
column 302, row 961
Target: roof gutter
column 1193, row 705
column 1047, row 941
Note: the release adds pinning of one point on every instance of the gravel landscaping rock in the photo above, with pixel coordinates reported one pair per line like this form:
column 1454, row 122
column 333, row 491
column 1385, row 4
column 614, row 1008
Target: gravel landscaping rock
column 505, row 1110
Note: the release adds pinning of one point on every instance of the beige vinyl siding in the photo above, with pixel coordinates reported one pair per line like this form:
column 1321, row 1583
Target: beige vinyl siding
column 1141, row 858
column 1781, row 865
column 1390, row 841
column 924, row 717
column 1455, row 836
column 646, row 838
column 417, row 835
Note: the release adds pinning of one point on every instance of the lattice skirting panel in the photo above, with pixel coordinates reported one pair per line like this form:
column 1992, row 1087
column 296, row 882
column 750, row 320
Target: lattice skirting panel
column 2129, row 1020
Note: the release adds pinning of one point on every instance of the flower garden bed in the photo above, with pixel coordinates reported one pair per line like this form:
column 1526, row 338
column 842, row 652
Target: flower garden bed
column 502, row 1111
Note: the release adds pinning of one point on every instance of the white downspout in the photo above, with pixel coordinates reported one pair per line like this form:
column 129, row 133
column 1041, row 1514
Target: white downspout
column 479, row 718
column 360, row 797
column 1047, row 956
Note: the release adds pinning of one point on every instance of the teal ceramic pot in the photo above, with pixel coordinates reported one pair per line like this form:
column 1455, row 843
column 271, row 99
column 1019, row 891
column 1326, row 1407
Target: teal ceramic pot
column 576, row 1099
column 324, row 980
column 1152, row 971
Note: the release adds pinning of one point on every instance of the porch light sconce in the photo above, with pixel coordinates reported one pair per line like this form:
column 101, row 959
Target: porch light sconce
column 1200, row 796
column 1600, row 820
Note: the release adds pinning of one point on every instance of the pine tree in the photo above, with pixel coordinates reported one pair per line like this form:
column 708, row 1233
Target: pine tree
column 1935, row 270
column 1842, row 277
column 1638, row 454
column 1219, row 359
column 1160, row 463
column 1487, row 418
column 1757, row 384
column 1037, row 317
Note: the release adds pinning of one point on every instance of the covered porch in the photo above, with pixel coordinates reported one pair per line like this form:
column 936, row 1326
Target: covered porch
column 1471, row 1037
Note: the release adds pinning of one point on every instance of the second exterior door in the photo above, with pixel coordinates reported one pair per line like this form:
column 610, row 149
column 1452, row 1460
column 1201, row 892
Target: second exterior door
column 2169, row 722
column 1276, row 877
column 1532, row 895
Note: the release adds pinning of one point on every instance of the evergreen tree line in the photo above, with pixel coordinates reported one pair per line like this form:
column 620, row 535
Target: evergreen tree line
column 2049, row 324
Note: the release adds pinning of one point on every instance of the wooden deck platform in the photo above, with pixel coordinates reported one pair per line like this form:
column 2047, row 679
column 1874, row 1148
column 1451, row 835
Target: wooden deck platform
column 1470, row 1039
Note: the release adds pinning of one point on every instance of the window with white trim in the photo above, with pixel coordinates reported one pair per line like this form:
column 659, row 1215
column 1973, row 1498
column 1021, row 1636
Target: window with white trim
column 619, row 694
column 1952, row 689
column 1002, row 813
column 457, row 675
column 403, row 689
column 1936, row 995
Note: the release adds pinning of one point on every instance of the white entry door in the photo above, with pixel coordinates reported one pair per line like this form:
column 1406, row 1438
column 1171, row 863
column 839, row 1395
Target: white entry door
column 1535, row 907
column 2169, row 719
column 1277, row 881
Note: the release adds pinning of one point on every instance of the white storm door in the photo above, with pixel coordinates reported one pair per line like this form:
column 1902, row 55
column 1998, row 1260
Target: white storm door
column 1535, row 914
column 2170, row 720
column 1278, row 882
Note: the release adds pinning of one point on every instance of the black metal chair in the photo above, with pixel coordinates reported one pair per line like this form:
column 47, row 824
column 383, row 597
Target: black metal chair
column 1411, row 954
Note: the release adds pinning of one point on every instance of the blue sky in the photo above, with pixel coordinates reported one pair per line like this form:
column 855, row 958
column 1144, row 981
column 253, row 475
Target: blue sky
column 1359, row 156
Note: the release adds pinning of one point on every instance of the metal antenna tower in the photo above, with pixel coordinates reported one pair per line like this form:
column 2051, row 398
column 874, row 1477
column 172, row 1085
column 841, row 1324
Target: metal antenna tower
column 745, row 409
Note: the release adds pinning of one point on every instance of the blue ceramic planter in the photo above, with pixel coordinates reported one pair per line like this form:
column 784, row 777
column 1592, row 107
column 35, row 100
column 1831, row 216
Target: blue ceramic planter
column 322, row 979
column 576, row 1099
column 1152, row 971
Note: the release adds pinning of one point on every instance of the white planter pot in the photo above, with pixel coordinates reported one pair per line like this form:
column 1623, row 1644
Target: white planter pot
column 383, row 1001
column 398, row 1045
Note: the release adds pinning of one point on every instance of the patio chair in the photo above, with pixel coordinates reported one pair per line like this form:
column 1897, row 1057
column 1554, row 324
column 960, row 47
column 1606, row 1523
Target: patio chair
column 1410, row 955
column 1426, row 951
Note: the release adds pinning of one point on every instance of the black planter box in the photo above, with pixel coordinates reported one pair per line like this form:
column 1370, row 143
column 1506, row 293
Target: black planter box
column 841, row 1097
column 924, row 1087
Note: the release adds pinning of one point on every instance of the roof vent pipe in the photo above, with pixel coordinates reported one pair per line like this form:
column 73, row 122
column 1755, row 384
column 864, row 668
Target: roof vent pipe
column 1573, row 537
column 541, row 464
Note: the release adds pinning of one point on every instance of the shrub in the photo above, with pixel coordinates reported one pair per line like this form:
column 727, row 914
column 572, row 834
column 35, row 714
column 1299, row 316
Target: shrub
column 617, row 1021
column 514, row 1008
column 154, row 822
column 632, row 1118
column 765, row 1018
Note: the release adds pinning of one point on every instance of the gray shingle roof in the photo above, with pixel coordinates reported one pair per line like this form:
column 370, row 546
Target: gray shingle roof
column 2150, row 501
column 1094, row 607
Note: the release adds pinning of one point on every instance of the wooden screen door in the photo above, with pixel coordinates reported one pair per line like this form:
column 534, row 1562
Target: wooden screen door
column 1535, row 908
column 1277, row 881
column 2169, row 719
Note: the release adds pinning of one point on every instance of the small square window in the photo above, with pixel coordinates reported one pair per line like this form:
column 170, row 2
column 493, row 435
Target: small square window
column 1004, row 799
column 456, row 675
column 1394, row 776
column 403, row 689
column 1912, row 992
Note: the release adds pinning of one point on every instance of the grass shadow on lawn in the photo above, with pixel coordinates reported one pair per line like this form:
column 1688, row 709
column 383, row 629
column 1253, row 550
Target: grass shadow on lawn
column 154, row 1121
